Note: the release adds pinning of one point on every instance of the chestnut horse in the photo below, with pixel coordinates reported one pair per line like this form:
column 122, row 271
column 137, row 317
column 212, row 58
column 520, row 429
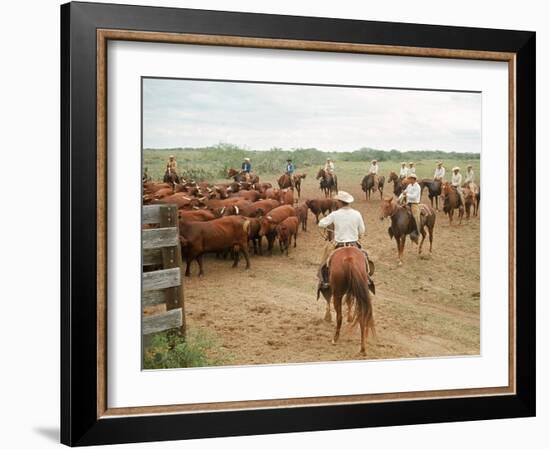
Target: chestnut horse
column 367, row 184
column 349, row 278
column 328, row 183
column 397, row 184
column 402, row 223
column 451, row 201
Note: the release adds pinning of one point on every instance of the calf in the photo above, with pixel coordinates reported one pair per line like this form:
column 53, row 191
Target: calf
column 321, row 206
column 216, row 236
column 287, row 229
column 286, row 196
column 254, row 235
column 269, row 222
column 301, row 213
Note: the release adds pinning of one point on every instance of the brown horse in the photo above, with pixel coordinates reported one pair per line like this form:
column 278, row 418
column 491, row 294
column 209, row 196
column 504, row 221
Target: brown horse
column 349, row 278
column 402, row 223
column 284, row 181
column 470, row 200
column 434, row 190
column 367, row 184
column 328, row 183
column 397, row 184
column 451, row 201
column 240, row 176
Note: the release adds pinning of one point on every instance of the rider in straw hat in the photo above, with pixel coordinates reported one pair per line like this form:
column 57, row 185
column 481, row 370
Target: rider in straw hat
column 403, row 170
column 456, row 182
column 469, row 180
column 373, row 170
column 411, row 169
column 172, row 165
column 329, row 166
column 439, row 173
column 348, row 229
column 412, row 195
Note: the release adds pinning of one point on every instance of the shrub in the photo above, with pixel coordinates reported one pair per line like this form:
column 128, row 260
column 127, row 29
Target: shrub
column 171, row 350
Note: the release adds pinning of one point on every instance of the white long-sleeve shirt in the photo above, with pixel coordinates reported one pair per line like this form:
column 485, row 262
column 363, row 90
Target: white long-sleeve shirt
column 411, row 170
column 469, row 176
column 373, row 169
column 403, row 172
column 348, row 224
column 413, row 193
column 439, row 172
column 456, row 180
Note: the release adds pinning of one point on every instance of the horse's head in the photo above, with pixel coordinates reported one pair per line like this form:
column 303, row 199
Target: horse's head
column 320, row 173
column 392, row 177
column 231, row 172
column 387, row 207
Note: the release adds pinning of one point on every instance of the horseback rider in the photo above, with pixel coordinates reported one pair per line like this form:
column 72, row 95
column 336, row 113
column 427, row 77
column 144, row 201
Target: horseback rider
column 373, row 170
column 411, row 169
column 289, row 170
column 412, row 196
column 403, row 171
column 172, row 170
column 329, row 166
column 348, row 229
column 469, row 180
column 246, row 168
column 439, row 173
column 456, row 182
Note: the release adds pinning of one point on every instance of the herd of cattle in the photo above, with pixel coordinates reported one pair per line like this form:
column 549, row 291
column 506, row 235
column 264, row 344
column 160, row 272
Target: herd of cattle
column 230, row 218
column 233, row 218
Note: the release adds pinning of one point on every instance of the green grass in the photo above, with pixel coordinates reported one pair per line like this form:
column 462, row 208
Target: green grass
column 171, row 350
column 211, row 163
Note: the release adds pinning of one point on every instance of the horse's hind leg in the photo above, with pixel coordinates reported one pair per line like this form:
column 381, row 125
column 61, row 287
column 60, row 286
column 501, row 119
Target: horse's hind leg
column 348, row 304
column 423, row 232
column 338, row 308
column 363, row 326
column 431, row 235
column 328, row 316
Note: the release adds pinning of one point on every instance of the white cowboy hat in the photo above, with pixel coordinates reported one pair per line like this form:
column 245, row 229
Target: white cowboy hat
column 345, row 197
column 411, row 163
column 439, row 162
column 403, row 163
column 456, row 168
column 412, row 175
column 172, row 156
column 374, row 160
column 328, row 158
column 469, row 166
column 246, row 158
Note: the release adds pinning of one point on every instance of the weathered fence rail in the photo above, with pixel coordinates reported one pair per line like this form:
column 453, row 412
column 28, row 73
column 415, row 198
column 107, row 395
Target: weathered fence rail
column 162, row 283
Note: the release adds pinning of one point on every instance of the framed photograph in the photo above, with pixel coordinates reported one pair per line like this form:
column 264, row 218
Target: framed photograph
column 274, row 224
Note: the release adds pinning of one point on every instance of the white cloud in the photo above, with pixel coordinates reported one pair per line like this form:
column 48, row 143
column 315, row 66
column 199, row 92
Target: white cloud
column 188, row 113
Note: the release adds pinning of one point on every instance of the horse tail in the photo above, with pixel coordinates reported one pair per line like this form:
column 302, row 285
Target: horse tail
column 357, row 281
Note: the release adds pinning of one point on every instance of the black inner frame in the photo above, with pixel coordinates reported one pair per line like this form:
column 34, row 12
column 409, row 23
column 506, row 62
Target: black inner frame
column 79, row 422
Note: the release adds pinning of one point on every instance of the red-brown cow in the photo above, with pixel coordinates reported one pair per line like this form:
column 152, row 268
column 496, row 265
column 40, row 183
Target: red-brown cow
column 152, row 187
column 220, row 235
column 196, row 215
column 254, row 235
column 287, row 229
column 182, row 200
column 321, row 206
column 301, row 213
column 243, row 207
column 264, row 206
column 286, row 196
column 269, row 222
column 250, row 195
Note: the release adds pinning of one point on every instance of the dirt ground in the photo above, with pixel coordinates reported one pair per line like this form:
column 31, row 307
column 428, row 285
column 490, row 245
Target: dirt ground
column 427, row 307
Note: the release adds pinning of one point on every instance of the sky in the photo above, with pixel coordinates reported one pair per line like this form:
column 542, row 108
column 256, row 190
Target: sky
column 190, row 113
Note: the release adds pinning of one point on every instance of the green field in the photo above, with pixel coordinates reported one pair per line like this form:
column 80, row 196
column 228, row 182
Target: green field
column 211, row 164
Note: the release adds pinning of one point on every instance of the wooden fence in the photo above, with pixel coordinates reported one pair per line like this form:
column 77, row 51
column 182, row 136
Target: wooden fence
column 161, row 248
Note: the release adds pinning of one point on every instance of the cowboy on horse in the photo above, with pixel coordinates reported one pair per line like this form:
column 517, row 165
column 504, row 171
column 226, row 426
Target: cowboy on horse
column 373, row 170
column 289, row 171
column 329, row 166
column 411, row 196
column 171, row 174
column 439, row 173
column 403, row 171
column 456, row 183
column 348, row 229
